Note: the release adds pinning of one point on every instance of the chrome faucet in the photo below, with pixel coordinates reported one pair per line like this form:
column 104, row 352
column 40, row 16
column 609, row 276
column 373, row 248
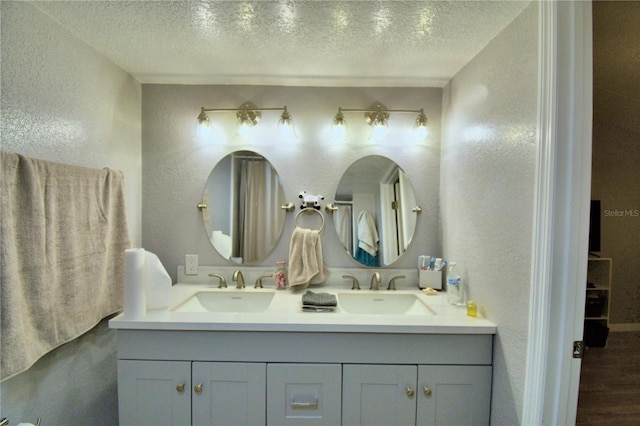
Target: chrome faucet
column 258, row 283
column 375, row 281
column 392, row 283
column 223, row 282
column 238, row 279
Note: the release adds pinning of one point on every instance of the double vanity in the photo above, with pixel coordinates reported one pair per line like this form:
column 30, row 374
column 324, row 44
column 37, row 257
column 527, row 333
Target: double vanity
column 252, row 356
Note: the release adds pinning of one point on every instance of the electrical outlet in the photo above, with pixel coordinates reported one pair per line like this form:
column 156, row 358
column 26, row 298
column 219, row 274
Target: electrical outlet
column 191, row 264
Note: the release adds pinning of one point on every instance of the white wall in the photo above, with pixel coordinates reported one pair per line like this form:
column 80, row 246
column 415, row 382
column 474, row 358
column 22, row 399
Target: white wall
column 62, row 101
column 177, row 159
column 487, row 192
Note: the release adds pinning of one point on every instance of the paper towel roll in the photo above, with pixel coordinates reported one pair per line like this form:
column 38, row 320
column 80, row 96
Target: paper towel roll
column 134, row 283
column 158, row 283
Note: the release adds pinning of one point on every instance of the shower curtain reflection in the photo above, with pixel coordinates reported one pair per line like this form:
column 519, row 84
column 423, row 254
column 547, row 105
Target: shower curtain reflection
column 259, row 220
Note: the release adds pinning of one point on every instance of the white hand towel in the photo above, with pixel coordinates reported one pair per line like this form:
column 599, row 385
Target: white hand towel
column 306, row 264
column 367, row 233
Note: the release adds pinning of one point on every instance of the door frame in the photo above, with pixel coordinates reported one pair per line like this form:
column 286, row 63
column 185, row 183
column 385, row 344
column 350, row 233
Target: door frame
column 561, row 212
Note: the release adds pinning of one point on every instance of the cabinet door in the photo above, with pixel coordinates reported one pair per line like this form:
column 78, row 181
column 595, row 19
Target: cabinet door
column 229, row 393
column 304, row 394
column 154, row 392
column 454, row 394
column 379, row 395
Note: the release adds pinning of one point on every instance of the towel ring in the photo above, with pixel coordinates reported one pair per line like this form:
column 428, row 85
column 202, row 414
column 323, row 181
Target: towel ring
column 310, row 210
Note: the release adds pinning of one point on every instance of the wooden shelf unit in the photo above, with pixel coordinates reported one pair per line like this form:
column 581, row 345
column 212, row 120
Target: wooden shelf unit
column 598, row 289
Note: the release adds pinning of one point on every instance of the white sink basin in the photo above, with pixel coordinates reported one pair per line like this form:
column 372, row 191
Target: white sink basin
column 226, row 301
column 383, row 304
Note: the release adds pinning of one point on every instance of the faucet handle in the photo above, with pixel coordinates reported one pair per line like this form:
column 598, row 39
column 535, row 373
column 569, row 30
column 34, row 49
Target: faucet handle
column 238, row 278
column 355, row 285
column 259, row 280
column 375, row 281
column 223, row 282
column 392, row 282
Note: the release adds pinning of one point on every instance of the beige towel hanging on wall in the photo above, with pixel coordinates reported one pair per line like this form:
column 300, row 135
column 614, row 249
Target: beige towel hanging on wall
column 64, row 233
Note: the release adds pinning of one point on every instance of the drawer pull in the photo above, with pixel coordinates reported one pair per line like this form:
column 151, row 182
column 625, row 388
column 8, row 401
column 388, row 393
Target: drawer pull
column 427, row 392
column 304, row 405
column 198, row 388
column 410, row 392
column 180, row 387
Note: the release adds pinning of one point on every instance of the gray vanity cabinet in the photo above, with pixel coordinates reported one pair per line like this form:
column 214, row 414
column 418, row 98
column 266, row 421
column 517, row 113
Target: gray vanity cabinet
column 453, row 395
column 379, row 394
column 176, row 377
column 191, row 393
column 416, row 395
column 154, row 392
column 228, row 393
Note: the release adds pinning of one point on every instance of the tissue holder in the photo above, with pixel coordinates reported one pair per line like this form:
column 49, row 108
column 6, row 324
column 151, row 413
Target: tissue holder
column 431, row 279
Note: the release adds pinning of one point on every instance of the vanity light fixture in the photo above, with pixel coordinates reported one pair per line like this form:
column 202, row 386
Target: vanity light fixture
column 378, row 115
column 285, row 118
column 248, row 114
column 339, row 120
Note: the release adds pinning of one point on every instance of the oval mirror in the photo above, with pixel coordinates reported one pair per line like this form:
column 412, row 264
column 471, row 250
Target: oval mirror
column 375, row 220
column 243, row 218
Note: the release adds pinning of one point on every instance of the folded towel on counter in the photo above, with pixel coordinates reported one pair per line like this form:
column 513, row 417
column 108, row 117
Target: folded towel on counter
column 319, row 302
column 305, row 259
column 319, row 299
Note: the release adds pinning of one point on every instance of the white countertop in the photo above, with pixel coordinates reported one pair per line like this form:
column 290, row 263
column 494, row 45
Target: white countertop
column 285, row 315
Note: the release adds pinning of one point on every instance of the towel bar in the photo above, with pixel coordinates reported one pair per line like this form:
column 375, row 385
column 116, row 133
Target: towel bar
column 310, row 210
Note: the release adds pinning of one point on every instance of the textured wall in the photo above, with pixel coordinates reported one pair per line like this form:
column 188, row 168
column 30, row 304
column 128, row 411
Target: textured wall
column 177, row 159
column 487, row 191
column 616, row 151
column 62, row 101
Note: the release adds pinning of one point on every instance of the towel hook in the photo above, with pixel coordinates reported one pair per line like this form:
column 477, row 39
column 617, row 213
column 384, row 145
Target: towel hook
column 310, row 210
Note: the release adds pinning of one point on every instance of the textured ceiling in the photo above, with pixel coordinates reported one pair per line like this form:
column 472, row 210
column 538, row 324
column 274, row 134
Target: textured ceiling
column 338, row 43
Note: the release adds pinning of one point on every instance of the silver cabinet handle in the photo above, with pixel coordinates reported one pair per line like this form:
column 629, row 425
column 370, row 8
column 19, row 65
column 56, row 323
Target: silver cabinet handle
column 304, row 405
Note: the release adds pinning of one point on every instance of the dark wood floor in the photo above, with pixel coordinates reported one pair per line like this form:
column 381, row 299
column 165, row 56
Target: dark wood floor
column 610, row 382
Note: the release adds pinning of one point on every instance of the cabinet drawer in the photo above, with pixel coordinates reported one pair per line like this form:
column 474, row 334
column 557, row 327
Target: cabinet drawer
column 304, row 394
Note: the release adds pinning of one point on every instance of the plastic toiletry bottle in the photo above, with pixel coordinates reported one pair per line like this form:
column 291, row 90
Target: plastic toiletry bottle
column 281, row 274
column 472, row 309
column 455, row 291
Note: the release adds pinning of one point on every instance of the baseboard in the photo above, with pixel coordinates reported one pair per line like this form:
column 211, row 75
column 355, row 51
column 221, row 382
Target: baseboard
column 624, row 327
